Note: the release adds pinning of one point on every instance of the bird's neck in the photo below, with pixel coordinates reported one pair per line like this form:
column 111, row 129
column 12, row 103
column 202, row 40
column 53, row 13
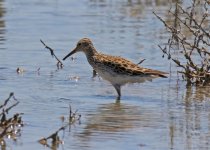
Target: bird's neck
column 90, row 53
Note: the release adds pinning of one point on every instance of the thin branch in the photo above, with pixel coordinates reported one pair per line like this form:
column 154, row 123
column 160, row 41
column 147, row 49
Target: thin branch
column 7, row 100
column 194, row 74
column 72, row 118
column 195, row 22
column 52, row 54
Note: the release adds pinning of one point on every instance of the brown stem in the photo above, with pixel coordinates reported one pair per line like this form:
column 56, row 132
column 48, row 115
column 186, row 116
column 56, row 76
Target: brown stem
column 52, row 53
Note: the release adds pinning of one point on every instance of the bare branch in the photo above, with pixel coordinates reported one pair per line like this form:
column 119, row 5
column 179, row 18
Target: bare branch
column 59, row 63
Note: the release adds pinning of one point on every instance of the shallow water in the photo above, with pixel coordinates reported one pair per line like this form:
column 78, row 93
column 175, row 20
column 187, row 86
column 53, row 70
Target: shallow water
column 162, row 114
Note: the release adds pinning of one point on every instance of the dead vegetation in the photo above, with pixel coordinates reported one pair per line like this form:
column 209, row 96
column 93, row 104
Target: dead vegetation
column 55, row 139
column 190, row 34
column 59, row 63
column 10, row 127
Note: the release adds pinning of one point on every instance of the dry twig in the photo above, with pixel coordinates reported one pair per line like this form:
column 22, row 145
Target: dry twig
column 59, row 63
column 194, row 72
column 54, row 137
column 9, row 127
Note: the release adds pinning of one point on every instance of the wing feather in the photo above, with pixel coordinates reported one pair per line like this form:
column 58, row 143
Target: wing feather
column 124, row 66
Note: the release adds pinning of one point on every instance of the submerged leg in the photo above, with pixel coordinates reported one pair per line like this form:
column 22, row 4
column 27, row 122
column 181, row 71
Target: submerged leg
column 94, row 74
column 118, row 89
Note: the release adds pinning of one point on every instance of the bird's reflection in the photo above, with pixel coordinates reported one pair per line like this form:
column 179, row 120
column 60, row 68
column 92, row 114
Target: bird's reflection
column 111, row 119
column 188, row 117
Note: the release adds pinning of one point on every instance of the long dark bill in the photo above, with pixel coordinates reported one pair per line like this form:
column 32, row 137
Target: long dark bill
column 71, row 53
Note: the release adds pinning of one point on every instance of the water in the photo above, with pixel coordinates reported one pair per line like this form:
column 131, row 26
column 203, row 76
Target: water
column 162, row 114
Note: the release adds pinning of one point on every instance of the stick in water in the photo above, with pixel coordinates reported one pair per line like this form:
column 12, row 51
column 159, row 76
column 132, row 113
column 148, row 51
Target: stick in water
column 53, row 54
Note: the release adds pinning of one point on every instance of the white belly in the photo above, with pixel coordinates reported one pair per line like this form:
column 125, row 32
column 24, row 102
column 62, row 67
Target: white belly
column 120, row 79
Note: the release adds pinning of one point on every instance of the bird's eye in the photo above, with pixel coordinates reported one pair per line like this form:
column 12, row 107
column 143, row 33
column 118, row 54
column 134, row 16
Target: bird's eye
column 79, row 44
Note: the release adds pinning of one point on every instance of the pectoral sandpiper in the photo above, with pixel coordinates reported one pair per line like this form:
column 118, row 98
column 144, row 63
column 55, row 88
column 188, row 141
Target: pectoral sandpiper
column 117, row 70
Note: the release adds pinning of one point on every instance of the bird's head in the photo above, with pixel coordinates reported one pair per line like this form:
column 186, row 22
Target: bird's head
column 84, row 45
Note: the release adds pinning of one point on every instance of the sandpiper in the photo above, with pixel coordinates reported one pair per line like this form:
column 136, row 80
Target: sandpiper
column 117, row 70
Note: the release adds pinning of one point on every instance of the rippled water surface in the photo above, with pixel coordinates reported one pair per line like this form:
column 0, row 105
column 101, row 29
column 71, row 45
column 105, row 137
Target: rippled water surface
column 158, row 115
